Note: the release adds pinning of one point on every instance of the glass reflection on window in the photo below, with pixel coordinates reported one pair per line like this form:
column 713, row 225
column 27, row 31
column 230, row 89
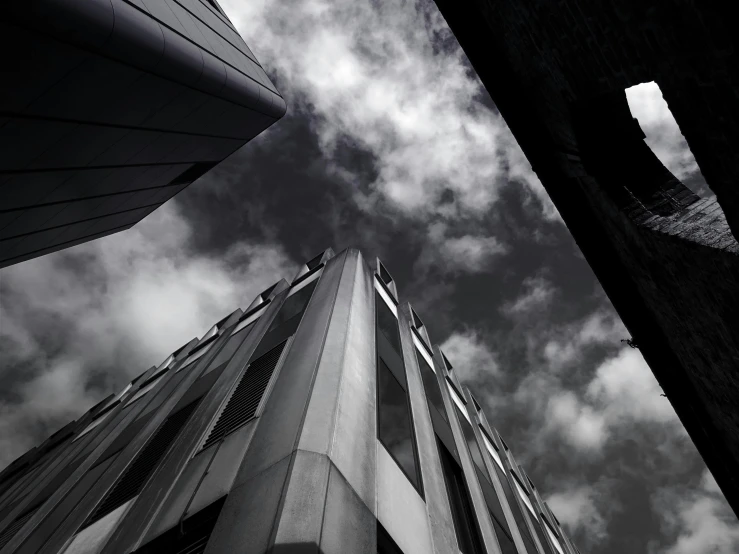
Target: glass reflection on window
column 394, row 422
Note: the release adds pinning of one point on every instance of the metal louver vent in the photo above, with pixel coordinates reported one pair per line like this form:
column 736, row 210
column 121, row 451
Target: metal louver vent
column 137, row 474
column 10, row 531
column 245, row 399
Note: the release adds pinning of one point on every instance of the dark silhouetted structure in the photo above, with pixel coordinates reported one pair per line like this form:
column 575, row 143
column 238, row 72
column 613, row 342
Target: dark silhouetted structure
column 667, row 259
column 320, row 419
column 108, row 108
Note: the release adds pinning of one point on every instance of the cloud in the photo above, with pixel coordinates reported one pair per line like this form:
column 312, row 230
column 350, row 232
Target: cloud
column 663, row 134
column 582, row 425
column 622, row 392
column 579, row 510
column 568, row 344
column 536, row 296
column 389, row 79
column 699, row 520
column 626, row 389
column 471, row 357
column 449, row 254
column 78, row 324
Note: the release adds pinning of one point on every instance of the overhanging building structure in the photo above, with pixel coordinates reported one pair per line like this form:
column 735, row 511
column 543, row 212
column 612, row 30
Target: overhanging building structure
column 667, row 259
column 108, row 108
column 320, row 419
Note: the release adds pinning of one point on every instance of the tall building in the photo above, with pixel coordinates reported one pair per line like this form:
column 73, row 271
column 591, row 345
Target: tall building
column 319, row 419
column 108, row 108
column 667, row 259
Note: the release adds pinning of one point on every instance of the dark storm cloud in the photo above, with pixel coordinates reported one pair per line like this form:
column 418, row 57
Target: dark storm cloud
column 390, row 145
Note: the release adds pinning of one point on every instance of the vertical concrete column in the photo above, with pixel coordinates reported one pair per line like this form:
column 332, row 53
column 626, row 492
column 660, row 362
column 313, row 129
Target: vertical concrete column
column 487, row 532
column 443, row 536
column 275, row 478
column 330, row 495
column 350, row 523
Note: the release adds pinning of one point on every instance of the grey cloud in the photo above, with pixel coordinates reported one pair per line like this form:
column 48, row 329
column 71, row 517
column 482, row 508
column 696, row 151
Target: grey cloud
column 78, row 324
column 536, row 296
column 386, row 78
column 471, row 356
column 698, row 519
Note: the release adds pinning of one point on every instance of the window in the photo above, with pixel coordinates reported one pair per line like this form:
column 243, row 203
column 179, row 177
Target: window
column 97, row 421
column 469, row 437
column 168, row 362
column 523, row 494
column 384, row 274
column 382, row 291
column 305, row 280
column 266, row 292
column 198, row 353
column 423, row 350
column 388, row 323
column 492, row 449
column 447, row 363
column 190, row 536
column 505, row 540
column 294, row 305
column 250, row 317
column 465, row 524
column 394, row 423
column 212, row 332
column 431, row 385
column 231, row 346
column 517, row 514
column 457, row 400
column 552, row 535
column 314, row 262
column 146, row 387
column 134, row 478
column 417, row 323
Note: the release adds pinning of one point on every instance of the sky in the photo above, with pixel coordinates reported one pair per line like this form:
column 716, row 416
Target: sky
column 390, row 145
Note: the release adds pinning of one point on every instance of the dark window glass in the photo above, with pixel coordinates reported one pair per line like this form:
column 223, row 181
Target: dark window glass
column 294, row 305
column 517, row 515
column 231, row 346
column 491, row 499
column 188, row 537
column 507, row 545
column 431, row 386
column 469, row 437
column 395, row 427
column 387, row 323
column 468, row 536
column 385, row 543
column 542, row 538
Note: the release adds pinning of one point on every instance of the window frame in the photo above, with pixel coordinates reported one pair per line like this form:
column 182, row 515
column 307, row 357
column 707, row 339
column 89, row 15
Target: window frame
column 418, row 485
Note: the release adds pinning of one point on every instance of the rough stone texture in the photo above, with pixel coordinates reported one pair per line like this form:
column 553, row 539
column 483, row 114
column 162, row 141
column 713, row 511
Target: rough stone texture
column 557, row 71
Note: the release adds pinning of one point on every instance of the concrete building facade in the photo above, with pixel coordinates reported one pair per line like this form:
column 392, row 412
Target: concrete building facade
column 667, row 259
column 319, row 419
column 108, row 108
